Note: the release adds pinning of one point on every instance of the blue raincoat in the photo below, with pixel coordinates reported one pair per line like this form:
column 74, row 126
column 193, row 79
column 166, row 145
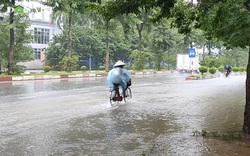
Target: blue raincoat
column 119, row 76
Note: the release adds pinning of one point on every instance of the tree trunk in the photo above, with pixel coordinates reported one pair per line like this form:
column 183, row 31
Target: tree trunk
column 70, row 36
column 12, row 42
column 107, row 47
column 209, row 47
column 139, row 28
column 246, row 124
column 203, row 53
column 168, row 60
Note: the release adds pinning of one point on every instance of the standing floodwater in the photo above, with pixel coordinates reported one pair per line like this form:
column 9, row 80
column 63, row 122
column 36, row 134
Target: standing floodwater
column 159, row 120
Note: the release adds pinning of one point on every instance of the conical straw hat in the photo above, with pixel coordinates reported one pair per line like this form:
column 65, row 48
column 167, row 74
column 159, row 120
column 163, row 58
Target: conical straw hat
column 119, row 63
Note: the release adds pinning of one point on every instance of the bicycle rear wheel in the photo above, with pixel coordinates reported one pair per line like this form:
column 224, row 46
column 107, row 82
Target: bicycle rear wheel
column 113, row 98
column 128, row 95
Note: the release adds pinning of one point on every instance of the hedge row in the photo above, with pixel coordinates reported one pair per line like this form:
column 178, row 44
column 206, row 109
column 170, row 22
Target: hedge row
column 204, row 69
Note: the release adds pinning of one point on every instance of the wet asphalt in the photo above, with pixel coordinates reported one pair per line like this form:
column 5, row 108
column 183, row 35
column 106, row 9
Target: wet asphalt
column 74, row 117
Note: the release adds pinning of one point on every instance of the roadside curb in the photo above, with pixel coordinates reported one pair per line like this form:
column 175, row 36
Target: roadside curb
column 47, row 77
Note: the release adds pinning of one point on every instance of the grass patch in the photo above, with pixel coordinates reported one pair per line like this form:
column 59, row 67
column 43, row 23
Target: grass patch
column 196, row 76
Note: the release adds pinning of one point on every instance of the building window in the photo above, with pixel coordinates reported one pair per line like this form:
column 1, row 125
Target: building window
column 41, row 35
column 37, row 54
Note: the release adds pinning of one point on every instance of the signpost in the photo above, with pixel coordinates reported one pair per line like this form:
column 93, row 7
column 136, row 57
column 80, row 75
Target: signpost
column 192, row 54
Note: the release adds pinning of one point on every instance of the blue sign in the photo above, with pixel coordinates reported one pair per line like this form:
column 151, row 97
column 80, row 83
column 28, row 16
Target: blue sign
column 191, row 53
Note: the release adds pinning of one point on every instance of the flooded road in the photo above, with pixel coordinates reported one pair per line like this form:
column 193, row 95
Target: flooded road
column 74, row 117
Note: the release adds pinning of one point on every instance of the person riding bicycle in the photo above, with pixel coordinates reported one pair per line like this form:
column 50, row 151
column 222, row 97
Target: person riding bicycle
column 119, row 76
column 228, row 69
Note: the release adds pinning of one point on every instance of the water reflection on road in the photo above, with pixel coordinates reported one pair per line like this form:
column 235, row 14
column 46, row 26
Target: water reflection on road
column 159, row 120
column 26, row 87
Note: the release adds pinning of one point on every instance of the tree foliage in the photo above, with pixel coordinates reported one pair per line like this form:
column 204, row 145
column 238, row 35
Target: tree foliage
column 227, row 21
column 145, row 56
column 163, row 40
column 136, row 7
column 56, row 50
column 66, row 10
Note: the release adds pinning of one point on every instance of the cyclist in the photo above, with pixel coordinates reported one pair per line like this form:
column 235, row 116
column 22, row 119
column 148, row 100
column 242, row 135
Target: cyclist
column 119, row 76
column 228, row 69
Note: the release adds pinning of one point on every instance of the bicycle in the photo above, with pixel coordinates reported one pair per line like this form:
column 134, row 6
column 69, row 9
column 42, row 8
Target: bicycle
column 116, row 95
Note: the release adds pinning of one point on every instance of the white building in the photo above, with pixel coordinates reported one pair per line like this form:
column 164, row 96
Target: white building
column 41, row 26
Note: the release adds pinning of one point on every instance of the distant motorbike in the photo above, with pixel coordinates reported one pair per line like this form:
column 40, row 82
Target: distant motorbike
column 227, row 72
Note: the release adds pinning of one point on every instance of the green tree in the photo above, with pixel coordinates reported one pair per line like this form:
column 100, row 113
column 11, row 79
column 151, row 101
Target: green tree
column 88, row 43
column 211, row 62
column 56, row 50
column 11, row 3
column 120, row 7
column 140, row 65
column 142, row 24
column 13, row 46
column 65, row 10
column 120, row 48
column 12, row 41
column 164, row 39
column 234, row 56
column 130, row 6
column 103, row 9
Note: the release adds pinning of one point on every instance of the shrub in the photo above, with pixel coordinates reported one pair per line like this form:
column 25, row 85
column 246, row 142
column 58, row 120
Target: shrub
column 203, row 69
column 242, row 69
column 46, row 68
column 235, row 69
column 212, row 70
column 69, row 63
column 101, row 68
column 17, row 70
column 56, row 68
column 83, row 68
column 221, row 69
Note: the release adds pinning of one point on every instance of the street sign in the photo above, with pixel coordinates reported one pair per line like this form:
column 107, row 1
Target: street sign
column 191, row 53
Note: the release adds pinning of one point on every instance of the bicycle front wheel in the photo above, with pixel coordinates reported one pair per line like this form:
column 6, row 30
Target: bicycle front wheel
column 128, row 96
